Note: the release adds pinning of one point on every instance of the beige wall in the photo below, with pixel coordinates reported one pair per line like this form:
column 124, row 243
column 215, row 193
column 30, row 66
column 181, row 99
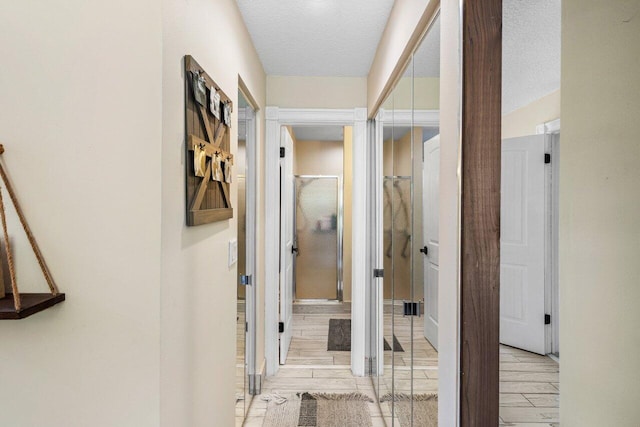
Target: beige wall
column 80, row 118
column 92, row 117
column 198, row 288
column 421, row 93
column 405, row 16
column 316, row 92
column 599, row 212
column 523, row 121
column 318, row 158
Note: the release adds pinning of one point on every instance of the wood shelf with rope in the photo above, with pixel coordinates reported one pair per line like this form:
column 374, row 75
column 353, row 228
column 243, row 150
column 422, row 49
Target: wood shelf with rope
column 17, row 305
column 31, row 304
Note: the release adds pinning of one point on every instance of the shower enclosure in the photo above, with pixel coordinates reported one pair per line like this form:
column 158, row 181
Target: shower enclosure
column 318, row 238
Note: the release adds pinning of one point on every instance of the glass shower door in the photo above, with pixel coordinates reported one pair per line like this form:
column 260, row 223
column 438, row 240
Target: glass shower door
column 318, row 238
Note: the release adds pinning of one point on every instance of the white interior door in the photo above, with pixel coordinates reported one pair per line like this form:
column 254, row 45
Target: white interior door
column 522, row 228
column 430, row 212
column 286, row 243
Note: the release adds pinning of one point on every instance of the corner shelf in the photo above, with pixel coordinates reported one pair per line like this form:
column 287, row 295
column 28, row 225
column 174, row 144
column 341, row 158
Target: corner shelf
column 26, row 304
column 31, row 304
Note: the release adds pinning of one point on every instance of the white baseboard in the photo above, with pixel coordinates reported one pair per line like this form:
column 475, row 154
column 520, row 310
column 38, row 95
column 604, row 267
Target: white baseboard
column 255, row 384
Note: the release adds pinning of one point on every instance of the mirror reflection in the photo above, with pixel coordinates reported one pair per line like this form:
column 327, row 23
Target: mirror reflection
column 407, row 384
column 243, row 397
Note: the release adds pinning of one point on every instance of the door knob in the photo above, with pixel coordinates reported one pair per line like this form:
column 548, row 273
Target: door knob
column 424, row 250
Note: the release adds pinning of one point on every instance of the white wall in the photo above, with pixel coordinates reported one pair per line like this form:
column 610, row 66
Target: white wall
column 450, row 134
column 80, row 117
column 599, row 214
column 198, row 289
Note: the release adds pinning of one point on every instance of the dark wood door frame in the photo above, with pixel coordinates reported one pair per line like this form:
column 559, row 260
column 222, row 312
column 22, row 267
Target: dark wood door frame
column 480, row 212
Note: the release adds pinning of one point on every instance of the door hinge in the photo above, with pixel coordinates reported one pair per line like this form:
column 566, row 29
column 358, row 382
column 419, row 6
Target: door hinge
column 246, row 326
column 378, row 272
column 280, row 327
column 547, row 158
column 245, row 280
column 547, row 319
column 282, row 152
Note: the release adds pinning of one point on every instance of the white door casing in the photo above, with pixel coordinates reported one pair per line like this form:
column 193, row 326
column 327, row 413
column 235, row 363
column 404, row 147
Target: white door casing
column 522, row 244
column 276, row 118
column 286, row 246
column 431, row 218
column 551, row 130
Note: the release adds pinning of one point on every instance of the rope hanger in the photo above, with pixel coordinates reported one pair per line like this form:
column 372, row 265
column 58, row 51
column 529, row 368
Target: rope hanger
column 32, row 241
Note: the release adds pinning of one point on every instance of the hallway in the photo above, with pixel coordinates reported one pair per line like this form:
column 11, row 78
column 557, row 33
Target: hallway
column 311, row 368
column 529, row 383
column 168, row 280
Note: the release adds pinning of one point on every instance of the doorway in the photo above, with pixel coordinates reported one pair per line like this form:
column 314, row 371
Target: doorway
column 321, row 180
column 317, row 325
column 529, row 371
column 245, row 163
column 281, row 245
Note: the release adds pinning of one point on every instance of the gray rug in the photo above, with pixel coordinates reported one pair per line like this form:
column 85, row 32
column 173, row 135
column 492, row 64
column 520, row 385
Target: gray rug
column 340, row 337
column 318, row 410
column 425, row 409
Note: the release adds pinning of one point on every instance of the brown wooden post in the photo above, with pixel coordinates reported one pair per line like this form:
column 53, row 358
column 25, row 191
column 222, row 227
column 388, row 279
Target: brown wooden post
column 480, row 216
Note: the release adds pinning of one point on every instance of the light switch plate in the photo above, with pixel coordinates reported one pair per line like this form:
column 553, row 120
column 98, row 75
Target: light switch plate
column 233, row 252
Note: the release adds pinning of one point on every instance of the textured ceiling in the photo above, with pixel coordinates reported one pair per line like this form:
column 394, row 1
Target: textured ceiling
column 530, row 56
column 316, row 37
column 339, row 38
column 531, row 51
column 319, row 133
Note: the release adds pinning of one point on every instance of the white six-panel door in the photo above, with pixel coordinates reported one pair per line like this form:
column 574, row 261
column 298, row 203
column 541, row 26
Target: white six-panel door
column 522, row 252
column 286, row 244
column 430, row 212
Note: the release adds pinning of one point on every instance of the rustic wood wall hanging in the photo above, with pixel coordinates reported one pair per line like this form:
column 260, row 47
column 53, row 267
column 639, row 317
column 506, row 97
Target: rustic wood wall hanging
column 208, row 143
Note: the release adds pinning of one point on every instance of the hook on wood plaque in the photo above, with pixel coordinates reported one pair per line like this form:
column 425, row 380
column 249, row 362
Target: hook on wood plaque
column 207, row 141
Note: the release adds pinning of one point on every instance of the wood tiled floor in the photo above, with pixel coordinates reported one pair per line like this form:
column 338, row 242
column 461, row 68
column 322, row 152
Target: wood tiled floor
column 310, row 367
column 240, row 363
column 529, row 387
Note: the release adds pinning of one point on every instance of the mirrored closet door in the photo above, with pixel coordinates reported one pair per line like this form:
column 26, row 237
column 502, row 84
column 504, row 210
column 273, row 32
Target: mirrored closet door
column 408, row 128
